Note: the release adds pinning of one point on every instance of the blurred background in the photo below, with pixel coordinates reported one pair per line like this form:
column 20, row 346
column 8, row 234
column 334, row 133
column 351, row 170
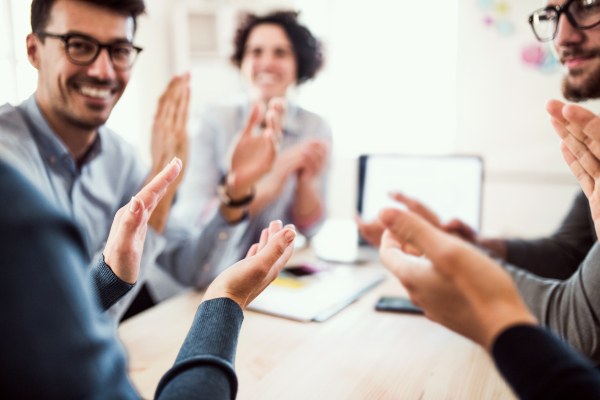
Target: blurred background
column 401, row 77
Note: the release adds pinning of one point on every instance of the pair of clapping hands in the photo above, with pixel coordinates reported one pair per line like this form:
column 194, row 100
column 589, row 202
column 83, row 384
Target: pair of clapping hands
column 455, row 283
column 241, row 283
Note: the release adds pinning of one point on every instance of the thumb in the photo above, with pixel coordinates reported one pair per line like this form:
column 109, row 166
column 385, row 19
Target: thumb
column 254, row 119
column 412, row 229
column 132, row 220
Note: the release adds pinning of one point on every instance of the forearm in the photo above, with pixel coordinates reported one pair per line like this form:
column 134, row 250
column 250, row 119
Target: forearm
column 267, row 191
column 548, row 258
column 559, row 255
column 308, row 207
column 204, row 368
column 539, row 366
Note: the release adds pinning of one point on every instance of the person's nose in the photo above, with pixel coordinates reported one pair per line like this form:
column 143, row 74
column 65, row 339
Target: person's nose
column 102, row 68
column 266, row 61
column 567, row 35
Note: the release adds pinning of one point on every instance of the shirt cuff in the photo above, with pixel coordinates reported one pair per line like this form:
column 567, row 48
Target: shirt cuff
column 108, row 288
column 212, row 340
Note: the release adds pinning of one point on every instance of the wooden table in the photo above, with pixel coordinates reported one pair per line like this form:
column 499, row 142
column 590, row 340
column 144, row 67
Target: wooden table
column 357, row 354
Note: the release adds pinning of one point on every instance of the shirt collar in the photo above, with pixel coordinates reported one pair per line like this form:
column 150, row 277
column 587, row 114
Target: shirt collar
column 51, row 147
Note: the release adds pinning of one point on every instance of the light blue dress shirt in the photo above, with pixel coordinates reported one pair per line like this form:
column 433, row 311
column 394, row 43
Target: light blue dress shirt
column 111, row 173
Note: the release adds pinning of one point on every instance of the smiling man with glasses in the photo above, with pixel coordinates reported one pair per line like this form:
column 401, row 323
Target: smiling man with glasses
column 574, row 29
column 84, row 52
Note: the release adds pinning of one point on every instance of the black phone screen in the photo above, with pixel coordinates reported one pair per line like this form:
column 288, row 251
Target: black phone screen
column 397, row 304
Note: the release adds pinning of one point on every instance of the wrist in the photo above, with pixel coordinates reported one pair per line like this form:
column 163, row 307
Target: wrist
column 496, row 246
column 307, row 179
column 497, row 326
column 237, row 199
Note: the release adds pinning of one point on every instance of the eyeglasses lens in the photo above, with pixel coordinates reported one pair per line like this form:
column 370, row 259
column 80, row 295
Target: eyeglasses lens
column 585, row 12
column 83, row 51
column 544, row 24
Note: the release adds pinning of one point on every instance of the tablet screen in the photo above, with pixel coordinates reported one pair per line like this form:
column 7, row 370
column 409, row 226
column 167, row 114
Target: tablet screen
column 451, row 186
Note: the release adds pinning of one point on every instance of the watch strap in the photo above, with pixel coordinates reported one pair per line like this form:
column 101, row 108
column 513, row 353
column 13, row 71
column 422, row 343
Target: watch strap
column 227, row 200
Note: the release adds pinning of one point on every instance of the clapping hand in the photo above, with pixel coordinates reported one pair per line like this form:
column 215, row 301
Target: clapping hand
column 314, row 159
column 125, row 244
column 253, row 155
column 246, row 279
column 169, row 140
column 454, row 283
column 579, row 130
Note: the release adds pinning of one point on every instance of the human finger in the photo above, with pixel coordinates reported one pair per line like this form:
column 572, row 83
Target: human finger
column 585, row 180
column 461, row 229
column 274, row 227
column 396, row 260
column 264, row 238
column 155, row 188
column 417, row 207
column 582, row 120
column 273, row 131
column 171, row 100
column 181, row 115
column 586, row 159
column 252, row 251
column 254, row 118
column 165, row 99
column 271, row 255
column 411, row 229
column 150, row 208
column 277, row 104
column 555, row 109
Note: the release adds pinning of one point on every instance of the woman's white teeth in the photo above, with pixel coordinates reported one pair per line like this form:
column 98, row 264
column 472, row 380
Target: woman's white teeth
column 265, row 78
column 93, row 92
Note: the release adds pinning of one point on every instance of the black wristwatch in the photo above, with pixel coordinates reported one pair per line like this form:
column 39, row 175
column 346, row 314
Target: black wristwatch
column 227, row 200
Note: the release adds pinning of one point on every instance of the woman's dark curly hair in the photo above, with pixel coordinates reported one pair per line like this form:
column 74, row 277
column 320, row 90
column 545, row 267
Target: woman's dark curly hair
column 307, row 49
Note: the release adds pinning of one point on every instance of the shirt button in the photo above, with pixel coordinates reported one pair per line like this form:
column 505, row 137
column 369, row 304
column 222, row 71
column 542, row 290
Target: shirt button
column 223, row 236
column 206, row 267
column 52, row 159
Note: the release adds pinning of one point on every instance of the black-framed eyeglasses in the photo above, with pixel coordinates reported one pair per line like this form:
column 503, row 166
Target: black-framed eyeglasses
column 582, row 14
column 84, row 50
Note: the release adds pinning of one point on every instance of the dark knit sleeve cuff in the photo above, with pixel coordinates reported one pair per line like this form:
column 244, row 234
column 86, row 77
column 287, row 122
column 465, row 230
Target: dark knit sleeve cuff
column 108, row 288
column 212, row 340
column 538, row 365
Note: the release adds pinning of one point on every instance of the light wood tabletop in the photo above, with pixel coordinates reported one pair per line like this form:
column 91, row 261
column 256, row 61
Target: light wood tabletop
column 357, row 354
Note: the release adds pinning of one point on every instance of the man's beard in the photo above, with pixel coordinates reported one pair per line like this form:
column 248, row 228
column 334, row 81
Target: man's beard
column 590, row 89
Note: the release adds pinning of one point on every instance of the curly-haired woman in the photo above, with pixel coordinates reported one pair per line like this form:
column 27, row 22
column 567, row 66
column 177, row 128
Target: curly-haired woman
column 274, row 53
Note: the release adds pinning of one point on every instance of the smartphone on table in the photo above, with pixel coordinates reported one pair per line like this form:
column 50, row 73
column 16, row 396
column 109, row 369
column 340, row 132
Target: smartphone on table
column 397, row 304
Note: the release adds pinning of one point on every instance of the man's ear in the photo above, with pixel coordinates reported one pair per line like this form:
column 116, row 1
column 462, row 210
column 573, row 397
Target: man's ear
column 33, row 50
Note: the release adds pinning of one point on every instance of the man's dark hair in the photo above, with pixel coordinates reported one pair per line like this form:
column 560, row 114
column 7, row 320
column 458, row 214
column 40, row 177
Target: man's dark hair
column 40, row 10
column 307, row 49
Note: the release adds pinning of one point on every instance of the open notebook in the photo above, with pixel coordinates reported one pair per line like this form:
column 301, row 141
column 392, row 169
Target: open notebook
column 315, row 292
